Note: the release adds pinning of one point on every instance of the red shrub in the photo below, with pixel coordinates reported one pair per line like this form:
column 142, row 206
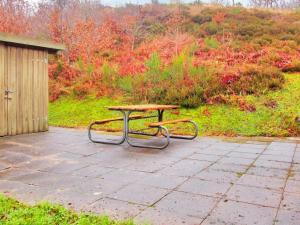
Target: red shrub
column 229, row 79
column 284, row 61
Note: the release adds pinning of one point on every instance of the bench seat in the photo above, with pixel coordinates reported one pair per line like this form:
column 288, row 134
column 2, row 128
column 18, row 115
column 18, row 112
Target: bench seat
column 116, row 119
column 157, row 124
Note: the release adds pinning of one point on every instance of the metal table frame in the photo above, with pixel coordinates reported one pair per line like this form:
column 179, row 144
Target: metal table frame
column 126, row 131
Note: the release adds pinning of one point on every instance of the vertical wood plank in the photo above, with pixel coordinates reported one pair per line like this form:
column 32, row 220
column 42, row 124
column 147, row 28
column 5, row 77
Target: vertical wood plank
column 12, row 86
column 41, row 90
column 25, row 87
column 2, row 92
column 18, row 91
column 7, row 69
column 30, row 90
column 35, row 94
column 46, row 91
column 5, row 86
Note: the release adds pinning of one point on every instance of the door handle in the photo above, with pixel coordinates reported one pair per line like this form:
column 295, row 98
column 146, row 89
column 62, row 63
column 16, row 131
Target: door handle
column 8, row 92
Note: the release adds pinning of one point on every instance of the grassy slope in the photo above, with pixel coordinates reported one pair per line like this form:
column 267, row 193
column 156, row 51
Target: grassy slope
column 15, row 213
column 222, row 119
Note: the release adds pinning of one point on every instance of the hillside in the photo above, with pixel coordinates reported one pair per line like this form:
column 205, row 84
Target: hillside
column 206, row 51
column 190, row 55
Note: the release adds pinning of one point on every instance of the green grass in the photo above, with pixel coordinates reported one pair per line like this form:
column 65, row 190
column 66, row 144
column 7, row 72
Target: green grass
column 221, row 119
column 13, row 212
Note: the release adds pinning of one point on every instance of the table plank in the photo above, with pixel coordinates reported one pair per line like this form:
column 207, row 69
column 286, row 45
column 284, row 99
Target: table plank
column 146, row 107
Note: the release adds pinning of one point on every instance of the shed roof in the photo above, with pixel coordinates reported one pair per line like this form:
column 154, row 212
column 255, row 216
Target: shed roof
column 32, row 42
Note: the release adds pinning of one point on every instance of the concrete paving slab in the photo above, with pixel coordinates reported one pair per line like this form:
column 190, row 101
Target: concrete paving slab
column 278, row 158
column 124, row 176
column 254, row 144
column 4, row 166
column 218, row 176
column 92, row 171
column 272, row 164
column 204, row 157
column 148, row 166
column 41, row 163
column 285, row 152
column 95, row 186
column 296, row 167
column 218, row 151
column 263, row 182
column 84, row 150
column 268, row 172
column 291, row 201
column 287, row 217
column 236, row 160
column 73, row 199
column 115, row 208
column 185, row 168
column 65, row 167
column 139, row 194
column 161, row 181
column 229, row 167
column 112, row 159
column 12, row 172
column 297, row 156
column 238, row 213
column 15, row 158
column 37, row 178
column 163, row 217
column 204, row 187
column 245, row 155
column 7, row 186
column 254, row 195
column 294, row 175
column 249, row 150
column 187, row 204
column 292, row 186
column 282, row 146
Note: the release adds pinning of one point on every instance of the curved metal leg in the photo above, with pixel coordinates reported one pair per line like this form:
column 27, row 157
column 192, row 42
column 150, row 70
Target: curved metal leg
column 118, row 142
column 159, row 117
column 167, row 136
column 187, row 137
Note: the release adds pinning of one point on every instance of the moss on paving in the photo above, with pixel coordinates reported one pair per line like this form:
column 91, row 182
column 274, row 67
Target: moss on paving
column 212, row 119
column 13, row 212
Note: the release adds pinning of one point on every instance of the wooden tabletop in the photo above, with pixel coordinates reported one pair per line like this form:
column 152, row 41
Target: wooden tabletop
column 146, row 107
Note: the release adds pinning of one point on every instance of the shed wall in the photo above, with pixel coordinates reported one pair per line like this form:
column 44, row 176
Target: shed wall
column 24, row 72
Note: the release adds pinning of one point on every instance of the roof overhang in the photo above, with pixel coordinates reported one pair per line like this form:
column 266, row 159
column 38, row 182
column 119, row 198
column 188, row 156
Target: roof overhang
column 30, row 42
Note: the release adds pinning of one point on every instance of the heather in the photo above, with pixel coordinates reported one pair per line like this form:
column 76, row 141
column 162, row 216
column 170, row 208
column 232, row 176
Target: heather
column 187, row 55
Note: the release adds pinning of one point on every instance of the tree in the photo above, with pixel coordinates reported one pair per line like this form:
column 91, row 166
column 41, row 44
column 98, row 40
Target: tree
column 198, row 2
column 275, row 3
column 154, row 2
column 134, row 27
column 175, row 2
column 174, row 24
column 14, row 16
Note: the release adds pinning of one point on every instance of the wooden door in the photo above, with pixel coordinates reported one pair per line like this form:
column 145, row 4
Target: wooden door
column 26, row 86
column 3, row 101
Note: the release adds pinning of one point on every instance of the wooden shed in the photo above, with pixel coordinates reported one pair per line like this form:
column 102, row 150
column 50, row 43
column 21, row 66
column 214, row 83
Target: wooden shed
column 24, row 84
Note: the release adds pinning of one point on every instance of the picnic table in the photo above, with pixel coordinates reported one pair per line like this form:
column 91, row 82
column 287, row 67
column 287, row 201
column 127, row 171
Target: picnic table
column 127, row 110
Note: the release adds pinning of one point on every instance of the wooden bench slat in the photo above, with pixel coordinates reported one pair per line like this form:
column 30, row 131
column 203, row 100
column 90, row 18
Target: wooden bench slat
column 143, row 107
column 157, row 124
column 116, row 119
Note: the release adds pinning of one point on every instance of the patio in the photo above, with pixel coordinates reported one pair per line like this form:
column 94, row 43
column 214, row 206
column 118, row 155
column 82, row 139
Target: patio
column 205, row 181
